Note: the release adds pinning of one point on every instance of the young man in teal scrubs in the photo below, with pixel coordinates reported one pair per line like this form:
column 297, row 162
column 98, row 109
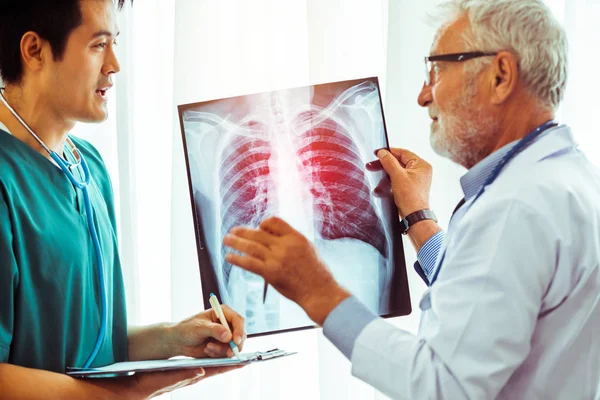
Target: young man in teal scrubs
column 57, row 61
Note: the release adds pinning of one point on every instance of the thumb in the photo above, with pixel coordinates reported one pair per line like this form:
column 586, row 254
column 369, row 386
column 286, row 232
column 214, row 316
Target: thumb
column 214, row 330
column 391, row 165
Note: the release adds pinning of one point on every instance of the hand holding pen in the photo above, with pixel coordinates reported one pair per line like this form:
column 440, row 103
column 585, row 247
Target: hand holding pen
column 214, row 302
column 205, row 335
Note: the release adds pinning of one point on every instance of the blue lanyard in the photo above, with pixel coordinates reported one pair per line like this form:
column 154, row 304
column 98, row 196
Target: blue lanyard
column 523, row 143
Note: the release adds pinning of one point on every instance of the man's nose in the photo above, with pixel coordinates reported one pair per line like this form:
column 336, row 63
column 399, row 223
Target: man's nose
column 425, row 98
column 111, row 66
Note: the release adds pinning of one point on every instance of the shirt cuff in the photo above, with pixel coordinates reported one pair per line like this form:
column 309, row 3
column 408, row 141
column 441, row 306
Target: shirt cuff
column 343, row 325
column 428, row 253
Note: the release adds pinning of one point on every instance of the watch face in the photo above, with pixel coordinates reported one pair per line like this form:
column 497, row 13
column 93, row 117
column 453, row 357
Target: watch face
column 403, row 226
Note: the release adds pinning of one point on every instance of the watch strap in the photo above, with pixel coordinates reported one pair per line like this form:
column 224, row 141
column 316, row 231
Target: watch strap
column 413, row 218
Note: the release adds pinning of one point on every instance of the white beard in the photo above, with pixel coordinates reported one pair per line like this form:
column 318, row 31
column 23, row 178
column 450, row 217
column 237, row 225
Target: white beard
column 462, row 133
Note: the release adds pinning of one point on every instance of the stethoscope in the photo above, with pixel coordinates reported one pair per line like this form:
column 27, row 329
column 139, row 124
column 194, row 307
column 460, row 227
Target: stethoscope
column 66, row 167
column 520, row 146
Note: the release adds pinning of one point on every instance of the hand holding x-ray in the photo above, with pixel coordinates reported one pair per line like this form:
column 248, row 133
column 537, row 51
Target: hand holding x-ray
column 408, row 179
column 289, row 262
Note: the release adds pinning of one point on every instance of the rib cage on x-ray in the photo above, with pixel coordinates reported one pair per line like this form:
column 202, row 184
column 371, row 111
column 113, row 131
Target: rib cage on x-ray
column 283, row 139
column 247, row 191
column 333, row 170
column 246, row 185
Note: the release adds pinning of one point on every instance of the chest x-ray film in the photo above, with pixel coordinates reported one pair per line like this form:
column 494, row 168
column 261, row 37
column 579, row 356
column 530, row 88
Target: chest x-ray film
column 299, row 154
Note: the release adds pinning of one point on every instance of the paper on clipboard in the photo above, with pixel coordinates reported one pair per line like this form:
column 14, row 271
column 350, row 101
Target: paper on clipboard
column 131, row 367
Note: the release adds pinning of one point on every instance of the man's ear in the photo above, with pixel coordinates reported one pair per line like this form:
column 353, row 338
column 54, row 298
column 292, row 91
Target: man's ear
column 32, row 51
column 506, row 76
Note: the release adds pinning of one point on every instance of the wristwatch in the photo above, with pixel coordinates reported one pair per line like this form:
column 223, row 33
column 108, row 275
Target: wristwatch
column 413, row 218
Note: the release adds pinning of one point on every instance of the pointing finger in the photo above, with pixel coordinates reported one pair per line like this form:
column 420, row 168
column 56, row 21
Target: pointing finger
column 255, row 235
column 245, row 246
column 251, row 264
column 276, row 226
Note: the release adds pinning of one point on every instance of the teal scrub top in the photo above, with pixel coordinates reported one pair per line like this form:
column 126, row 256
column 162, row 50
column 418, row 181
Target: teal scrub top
column 49, row 293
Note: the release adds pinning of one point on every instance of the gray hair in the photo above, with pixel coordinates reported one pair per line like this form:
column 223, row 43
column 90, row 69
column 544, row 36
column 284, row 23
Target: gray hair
column 527, row 29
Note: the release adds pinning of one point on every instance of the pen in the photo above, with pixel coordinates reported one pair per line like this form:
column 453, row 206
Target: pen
column 214, row 303
column 265, row 292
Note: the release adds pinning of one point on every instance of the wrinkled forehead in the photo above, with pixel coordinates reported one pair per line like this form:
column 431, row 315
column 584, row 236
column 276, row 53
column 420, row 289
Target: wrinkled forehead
column 450, row 37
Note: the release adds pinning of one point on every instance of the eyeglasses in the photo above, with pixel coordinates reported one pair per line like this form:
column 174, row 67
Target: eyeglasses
column 454, row 57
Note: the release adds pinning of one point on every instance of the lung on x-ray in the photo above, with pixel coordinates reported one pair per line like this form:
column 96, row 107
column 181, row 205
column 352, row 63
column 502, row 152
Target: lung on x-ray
column 299, row 154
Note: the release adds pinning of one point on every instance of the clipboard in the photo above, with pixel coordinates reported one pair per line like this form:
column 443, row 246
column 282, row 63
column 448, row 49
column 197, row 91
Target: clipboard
column 130, row 368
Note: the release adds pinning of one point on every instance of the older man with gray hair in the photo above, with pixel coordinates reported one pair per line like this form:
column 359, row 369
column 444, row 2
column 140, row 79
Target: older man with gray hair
column 513, row 305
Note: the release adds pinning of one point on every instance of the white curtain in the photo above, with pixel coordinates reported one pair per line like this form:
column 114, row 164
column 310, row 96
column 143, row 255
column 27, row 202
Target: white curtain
column 580, row 18
column 180, row 51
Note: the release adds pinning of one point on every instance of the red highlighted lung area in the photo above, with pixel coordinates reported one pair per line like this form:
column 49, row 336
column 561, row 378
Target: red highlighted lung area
column 330, row 163
column 331, row 170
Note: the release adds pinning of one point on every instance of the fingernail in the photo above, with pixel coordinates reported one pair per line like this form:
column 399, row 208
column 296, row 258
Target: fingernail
column 200, row 372
column 382, row 153
column 237, row 340
column 377, row 150
column 225, row 335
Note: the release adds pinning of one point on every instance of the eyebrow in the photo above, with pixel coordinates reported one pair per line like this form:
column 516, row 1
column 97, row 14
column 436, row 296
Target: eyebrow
column 104, row 33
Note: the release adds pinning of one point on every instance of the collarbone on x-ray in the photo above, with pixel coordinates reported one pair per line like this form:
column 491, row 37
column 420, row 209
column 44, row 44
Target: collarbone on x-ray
column 298, row 154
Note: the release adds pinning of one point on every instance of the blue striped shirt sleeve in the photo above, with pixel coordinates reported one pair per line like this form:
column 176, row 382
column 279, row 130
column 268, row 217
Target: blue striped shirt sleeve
column 428, row 254
column 343, row 325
